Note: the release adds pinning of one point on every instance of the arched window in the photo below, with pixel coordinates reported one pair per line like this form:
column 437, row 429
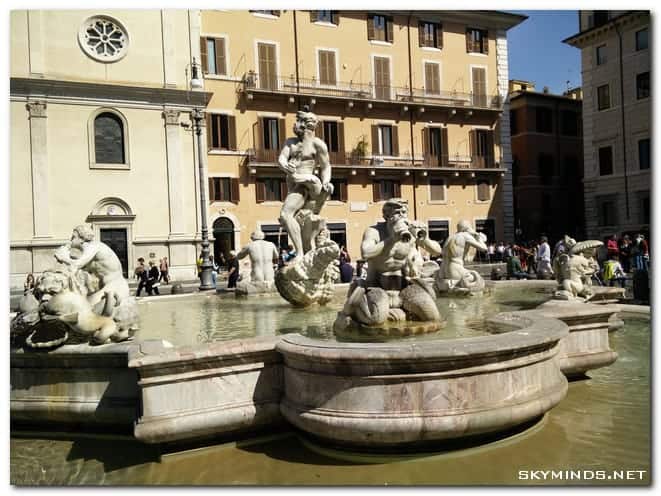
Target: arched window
column 109, row 143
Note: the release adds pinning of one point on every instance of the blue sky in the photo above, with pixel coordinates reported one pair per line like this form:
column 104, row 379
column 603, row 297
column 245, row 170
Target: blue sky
column 536, row 51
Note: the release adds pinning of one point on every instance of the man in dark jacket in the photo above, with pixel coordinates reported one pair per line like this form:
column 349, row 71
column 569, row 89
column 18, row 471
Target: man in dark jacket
column 152, row 279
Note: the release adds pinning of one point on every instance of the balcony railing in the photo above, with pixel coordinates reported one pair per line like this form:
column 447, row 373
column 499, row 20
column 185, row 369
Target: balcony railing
column 262, row 156
column 251, row 82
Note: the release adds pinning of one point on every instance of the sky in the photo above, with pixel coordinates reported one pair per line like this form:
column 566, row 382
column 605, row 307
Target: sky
column 537, row 53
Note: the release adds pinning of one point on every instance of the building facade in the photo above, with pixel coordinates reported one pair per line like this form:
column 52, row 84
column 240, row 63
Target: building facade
column 99, row 108
column 615, row 59
column 411, row 105
column 547, row 162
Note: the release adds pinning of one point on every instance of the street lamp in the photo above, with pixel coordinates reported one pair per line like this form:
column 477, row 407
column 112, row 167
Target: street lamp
column 197, row 116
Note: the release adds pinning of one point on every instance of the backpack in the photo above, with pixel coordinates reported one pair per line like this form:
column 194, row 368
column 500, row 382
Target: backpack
column 609, row 271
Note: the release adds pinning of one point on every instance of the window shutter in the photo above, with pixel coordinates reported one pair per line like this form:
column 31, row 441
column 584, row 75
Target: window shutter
column 203, row 55
column 212, row 190
column 330, row 68
column 314, row 15
column 283, row 190
column 397, row 189
column 483, row 190
column 395, row 141
column 390, row 29
column 489, row 158
column 370, row 27
column 445, row 150
column 335, row 18
column 421, row 34
column 425, row 141
column 232, row 131
column 376, row 191
column 282, row 132
column 340, row 137
column 260, row 191
column 343, row 191
column 439, row 36
column 220, row 57
column 259, row 139
column 469, row 41
column 234, row 191
column 472, row 141
column 485, row 41
column 375, row 140
column 207, row 117
column 319, row 130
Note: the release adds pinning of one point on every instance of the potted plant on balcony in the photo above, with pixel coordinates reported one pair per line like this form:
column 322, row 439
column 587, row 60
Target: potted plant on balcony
column 359, row 151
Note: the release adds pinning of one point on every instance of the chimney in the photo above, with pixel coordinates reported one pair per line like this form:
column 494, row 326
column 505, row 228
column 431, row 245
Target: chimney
column 546, row 89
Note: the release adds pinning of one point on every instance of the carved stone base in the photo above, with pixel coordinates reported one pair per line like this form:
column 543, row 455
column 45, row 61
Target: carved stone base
column 470, row 284
column 244, row 288
column 386, row 331
column 310, row 279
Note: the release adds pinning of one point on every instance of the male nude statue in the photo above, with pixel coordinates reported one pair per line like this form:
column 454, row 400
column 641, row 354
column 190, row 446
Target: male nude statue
column 306, row 192
column 97, row 259
column 262, row 254
column 392, row 287
column 457, row 247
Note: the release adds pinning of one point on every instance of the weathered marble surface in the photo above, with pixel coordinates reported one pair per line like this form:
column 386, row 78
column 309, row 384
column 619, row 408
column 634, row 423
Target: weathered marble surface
column 85, row 385
column 196, row 392
column 586, row 347
column 384, row 395
column 262, row 255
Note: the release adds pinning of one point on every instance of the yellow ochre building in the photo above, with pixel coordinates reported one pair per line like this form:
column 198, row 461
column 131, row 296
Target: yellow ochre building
column 410, row 104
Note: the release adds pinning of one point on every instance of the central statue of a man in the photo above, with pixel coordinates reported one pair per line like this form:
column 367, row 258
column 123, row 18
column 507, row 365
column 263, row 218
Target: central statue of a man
column 306, row 192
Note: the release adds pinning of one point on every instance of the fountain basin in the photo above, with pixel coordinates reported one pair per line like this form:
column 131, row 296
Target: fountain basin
column 587, row 346
column 381, row 395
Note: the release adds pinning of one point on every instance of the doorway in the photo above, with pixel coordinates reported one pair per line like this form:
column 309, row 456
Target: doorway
column 116, row 239
column 223, row 234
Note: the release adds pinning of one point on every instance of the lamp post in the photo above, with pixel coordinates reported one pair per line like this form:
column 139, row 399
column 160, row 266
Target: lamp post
column 197, row 116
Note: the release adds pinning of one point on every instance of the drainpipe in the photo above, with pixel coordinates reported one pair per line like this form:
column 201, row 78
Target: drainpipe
column 415, row 198
column 624, row 134
column 298, row 98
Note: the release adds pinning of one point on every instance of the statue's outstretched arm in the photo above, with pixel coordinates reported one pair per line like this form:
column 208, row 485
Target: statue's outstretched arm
column 244, row 252
column 433, row 247
column 476, row 243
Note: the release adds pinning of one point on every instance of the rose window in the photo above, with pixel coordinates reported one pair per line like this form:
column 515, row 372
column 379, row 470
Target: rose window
column 103, row 39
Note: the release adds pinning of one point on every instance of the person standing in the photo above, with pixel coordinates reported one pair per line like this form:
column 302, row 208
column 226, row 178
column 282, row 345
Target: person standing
column 625, row 253
column 28, row 286
column 613, row 271
column 544, row 258
column 233, row 270
column 165, row 269
column 612, row 247
column 214, row 270
column 152, row 279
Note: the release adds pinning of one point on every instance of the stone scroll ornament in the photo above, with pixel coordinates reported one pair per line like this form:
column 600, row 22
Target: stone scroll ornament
column 395, row 298
column 574, row 270
column 453, row 279
column 309, row 275
column 84, row 299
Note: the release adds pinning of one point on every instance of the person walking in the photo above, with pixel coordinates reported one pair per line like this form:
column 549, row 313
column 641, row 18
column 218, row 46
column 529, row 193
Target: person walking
column 640, row 253
column 233, row 270
column 152, row 279
column 625, row 253
column 141, row 275
column 164, row 267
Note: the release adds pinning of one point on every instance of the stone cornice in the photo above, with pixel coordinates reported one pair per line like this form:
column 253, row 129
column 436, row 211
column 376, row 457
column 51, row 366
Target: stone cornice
column 478, row 18
column 586, row 37
column 44, row 88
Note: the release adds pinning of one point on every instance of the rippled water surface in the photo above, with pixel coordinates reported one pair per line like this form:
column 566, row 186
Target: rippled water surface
column 201, row 319
column 602, row 425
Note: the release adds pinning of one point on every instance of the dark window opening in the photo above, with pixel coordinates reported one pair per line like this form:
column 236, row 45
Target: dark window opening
column 644, row 153
column 643, row 85
column 605, row 161
column 109, row 139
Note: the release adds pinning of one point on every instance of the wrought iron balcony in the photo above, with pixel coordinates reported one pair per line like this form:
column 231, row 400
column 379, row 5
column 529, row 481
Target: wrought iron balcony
column 251, row 83
column 353, row 160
